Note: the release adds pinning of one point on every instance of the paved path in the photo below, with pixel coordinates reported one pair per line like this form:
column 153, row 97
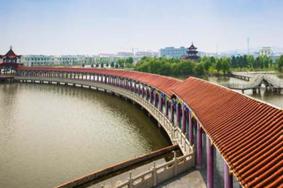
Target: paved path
column 192, row 179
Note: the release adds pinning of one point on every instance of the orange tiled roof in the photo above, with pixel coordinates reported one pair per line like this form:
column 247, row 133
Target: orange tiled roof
column 248, row 133
column 162, row 83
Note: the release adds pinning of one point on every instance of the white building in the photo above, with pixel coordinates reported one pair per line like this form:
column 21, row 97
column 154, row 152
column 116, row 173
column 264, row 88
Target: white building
column 40, row 60
column 125, row 54
column 65, row 60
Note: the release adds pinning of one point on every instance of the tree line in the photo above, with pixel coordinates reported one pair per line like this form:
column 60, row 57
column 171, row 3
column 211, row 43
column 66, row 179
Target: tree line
column 207, row 65
column 181, row 67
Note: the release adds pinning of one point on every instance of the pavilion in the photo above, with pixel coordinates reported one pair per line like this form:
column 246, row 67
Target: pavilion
column 9, row 62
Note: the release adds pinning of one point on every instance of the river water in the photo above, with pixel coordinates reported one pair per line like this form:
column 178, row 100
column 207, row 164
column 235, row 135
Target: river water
column 51, row 134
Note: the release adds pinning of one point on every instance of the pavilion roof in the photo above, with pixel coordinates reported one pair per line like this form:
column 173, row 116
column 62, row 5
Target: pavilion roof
column 192, row 47
column 10, row 54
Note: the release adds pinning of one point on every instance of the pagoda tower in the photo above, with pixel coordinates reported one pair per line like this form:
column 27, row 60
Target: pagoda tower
column 192, row 53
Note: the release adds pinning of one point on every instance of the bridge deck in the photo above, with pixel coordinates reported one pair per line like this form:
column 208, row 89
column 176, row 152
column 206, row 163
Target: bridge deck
column 190, row 179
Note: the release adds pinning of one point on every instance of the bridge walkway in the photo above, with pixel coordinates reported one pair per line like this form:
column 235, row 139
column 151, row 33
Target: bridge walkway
column 190, row 179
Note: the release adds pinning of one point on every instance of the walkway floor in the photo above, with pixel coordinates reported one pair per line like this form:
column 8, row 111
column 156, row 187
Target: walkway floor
column 192, row 179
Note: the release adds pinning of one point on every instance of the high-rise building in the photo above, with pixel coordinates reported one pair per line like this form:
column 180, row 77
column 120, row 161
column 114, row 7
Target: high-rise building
column 173, row 52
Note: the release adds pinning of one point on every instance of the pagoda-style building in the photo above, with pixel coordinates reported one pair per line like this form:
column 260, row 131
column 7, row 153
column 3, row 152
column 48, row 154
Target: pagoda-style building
column 9, row 62
column 192, row 53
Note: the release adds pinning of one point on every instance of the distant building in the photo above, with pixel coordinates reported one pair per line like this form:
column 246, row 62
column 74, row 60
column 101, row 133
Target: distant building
column 106, row 55
column 192, row 53
column 65, row 60
column 172, row 52
column 68, row 60
column 266, row 51
column 125, row 54
column 146, row 54
column 40, row 60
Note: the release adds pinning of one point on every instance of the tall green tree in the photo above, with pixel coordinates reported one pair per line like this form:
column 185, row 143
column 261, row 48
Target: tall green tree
column 280, row 63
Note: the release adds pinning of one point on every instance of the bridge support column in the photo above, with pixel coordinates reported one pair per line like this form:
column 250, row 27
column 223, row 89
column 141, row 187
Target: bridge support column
column 151, row 96
column 172, row 111
column 191, row 136
column 167, row 107
column 210, row 161
column 199, row 147
column 228, row 178
column 156, row 97
column 160, row 102
column 184, row 119
column 179, row 114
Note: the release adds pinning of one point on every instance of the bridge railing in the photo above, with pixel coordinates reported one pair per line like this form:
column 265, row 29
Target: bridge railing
column 275, row 82
column 158, row 174
column 253, row 83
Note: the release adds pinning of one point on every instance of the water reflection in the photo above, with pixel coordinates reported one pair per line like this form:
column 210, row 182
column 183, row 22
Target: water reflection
column 51, row 134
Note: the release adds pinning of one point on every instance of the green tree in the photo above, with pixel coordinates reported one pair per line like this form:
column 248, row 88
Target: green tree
column 199, row 69
column 250, row 61
column 280, row 63
column 225, row 65
column 218, row 65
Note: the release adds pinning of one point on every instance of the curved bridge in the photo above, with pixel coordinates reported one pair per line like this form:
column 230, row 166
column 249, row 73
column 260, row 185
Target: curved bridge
column 269, row 81
column 247, row 133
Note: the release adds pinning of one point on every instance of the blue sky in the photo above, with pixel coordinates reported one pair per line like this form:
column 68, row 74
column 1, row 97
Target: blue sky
column 93, row 26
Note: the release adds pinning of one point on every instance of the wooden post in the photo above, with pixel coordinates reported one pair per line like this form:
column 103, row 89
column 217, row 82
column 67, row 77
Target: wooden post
column 191, row 136
column 184, row 119
column 199, row 146
column 228, row 179
column 210, row 165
